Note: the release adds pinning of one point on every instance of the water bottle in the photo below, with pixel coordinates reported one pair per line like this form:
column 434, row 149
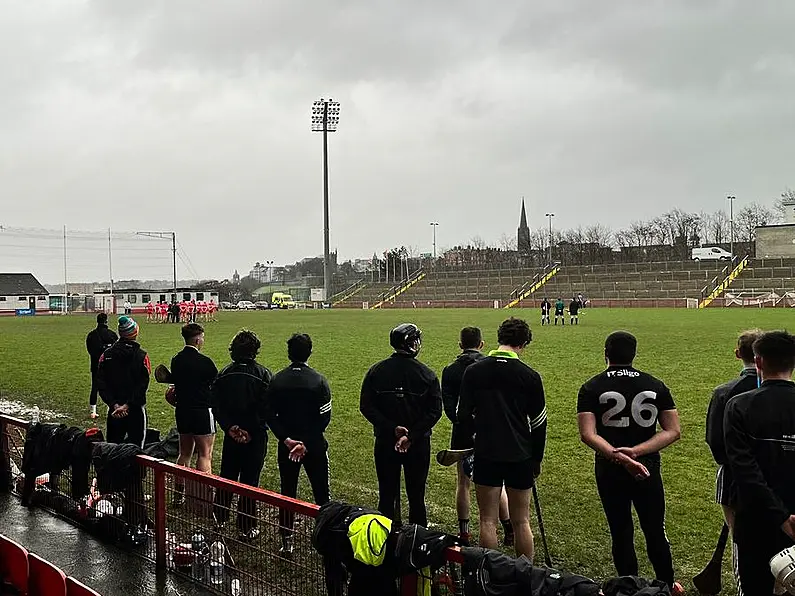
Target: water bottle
column 35, row 415
column 236, row 589
column 199, row 546
column 171, row 545
column 217, row 551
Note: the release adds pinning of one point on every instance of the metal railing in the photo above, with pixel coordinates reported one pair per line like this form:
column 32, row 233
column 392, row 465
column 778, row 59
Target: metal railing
column 197, row 525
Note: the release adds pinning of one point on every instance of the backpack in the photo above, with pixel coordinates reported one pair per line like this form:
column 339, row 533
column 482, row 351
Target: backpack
column 630, row 585
column 492, row 573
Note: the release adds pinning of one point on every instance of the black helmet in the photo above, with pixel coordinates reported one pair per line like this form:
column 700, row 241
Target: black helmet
column 406, row 338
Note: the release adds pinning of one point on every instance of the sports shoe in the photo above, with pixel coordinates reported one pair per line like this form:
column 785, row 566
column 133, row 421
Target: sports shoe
column 677, row 589
column 509, row 539
column 178, row 499
column 287, row 549
column 466, row 538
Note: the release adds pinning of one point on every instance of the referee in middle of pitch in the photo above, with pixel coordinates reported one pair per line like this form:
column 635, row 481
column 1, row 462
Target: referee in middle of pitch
column 402, row 399
column 298, row 407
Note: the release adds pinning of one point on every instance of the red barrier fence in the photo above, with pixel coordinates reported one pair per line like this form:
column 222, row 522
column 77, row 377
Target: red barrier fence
column 189, row 524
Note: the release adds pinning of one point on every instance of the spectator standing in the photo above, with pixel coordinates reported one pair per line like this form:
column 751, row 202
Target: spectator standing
column 299, row 411
column 759, row 434
column 123, row 378
column 503, row 398
column 97, row 341
column 401, row 398
column 192, row 374
column 238, row 398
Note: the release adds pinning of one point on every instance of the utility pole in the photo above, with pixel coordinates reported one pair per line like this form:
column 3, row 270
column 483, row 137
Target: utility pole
column 550, row 216
column 325, row 118
column 110, row 262
column 434, row 224
column 731, row 199
column 65, row 282
column 165, row 236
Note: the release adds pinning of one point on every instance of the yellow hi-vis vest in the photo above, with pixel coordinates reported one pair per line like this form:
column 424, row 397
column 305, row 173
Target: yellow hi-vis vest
column 368, row 534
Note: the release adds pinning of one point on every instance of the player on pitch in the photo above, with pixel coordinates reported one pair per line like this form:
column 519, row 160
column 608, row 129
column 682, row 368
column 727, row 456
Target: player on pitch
column 298, row 412
column 748, row 380
column 402, row 399
column 759, row 431
column 617, row 413
column 545, row 308
column 503, row 400
column 574, row 311
column 471, row 344
column 559, row 311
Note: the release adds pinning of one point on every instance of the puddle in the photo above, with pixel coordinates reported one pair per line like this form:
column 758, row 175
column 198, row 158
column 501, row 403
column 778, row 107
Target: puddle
column 24, row 411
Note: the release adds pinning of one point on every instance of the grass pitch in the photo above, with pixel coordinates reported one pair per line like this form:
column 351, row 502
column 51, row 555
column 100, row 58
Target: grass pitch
column 44, row 362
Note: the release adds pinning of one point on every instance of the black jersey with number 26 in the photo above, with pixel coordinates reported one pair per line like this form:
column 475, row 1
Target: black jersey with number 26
column 626, row 403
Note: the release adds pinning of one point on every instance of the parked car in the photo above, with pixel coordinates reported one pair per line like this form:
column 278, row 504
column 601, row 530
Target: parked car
column 263, row 305
column 227, row 306
column 710, row 253
column 246, row 305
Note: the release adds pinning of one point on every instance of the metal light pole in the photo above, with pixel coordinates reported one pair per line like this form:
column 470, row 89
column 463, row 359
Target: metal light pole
column 434, row 224
column 164, row 235
column 325, row 118
column 731, row 199
column 270, row 271
column 549, row 216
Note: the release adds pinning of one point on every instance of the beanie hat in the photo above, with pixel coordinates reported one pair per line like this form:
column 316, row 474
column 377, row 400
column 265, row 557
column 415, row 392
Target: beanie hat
column 128, row 328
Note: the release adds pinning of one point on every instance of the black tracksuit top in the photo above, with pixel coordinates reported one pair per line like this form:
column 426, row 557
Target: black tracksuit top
column 123, row 374
column 192, row 374
column 747, row 381
column 759, row 430
column 97, row 341
column 401, row 391
column 238, row 396
column 452, row 375
column 299, row 405
column 505, row 397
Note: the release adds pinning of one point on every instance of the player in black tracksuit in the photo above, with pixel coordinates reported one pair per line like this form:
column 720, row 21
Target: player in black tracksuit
column 504, row 399
column 546, row 306
column 238, row 399
column 123, row 378
column 298, row 412
column 759, row 433
column 724, row 483
column 617, row 412
column 402, row 399
column 97, row 341
column 574, row 311
column 471, row 344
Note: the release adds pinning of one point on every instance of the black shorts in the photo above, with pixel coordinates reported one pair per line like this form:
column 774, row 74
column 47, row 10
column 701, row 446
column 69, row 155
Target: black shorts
column 459, row 438
column 517, row 475
column 195, row 421
column 558, row 313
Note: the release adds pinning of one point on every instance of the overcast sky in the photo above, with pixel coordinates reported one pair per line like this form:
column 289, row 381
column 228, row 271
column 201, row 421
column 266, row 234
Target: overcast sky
column 194, row 116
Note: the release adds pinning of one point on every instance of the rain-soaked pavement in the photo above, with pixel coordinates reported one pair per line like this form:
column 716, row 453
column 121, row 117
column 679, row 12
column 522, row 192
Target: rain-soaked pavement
column 108, row 570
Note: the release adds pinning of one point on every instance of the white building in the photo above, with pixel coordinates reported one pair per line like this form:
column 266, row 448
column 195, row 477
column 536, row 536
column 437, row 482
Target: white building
column 22, row 292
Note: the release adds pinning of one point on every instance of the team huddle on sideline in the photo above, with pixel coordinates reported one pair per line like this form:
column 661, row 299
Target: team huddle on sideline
column 575, row 306
column 186, row 310
column 497, row 406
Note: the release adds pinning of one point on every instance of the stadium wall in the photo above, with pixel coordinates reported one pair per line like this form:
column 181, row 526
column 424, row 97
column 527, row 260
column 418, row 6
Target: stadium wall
column 775, row 241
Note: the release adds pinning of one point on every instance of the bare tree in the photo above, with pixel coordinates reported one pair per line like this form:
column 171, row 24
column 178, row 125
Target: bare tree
column 781, row 209
column 599, row 234
column 750, row 217
column 477, row 242
column 715, row 227
column 508, row 242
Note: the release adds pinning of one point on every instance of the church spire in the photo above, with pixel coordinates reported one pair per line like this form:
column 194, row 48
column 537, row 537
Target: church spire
column 523, row 220
column 523, row 233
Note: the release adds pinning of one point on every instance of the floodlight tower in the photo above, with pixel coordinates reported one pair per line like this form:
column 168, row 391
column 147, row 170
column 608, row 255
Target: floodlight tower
column 325, row 118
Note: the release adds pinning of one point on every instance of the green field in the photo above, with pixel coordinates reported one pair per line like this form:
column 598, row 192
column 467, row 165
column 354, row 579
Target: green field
column 44, row 362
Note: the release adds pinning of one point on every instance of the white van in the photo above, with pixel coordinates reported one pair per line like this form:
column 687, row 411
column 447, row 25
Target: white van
column 713, row 253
